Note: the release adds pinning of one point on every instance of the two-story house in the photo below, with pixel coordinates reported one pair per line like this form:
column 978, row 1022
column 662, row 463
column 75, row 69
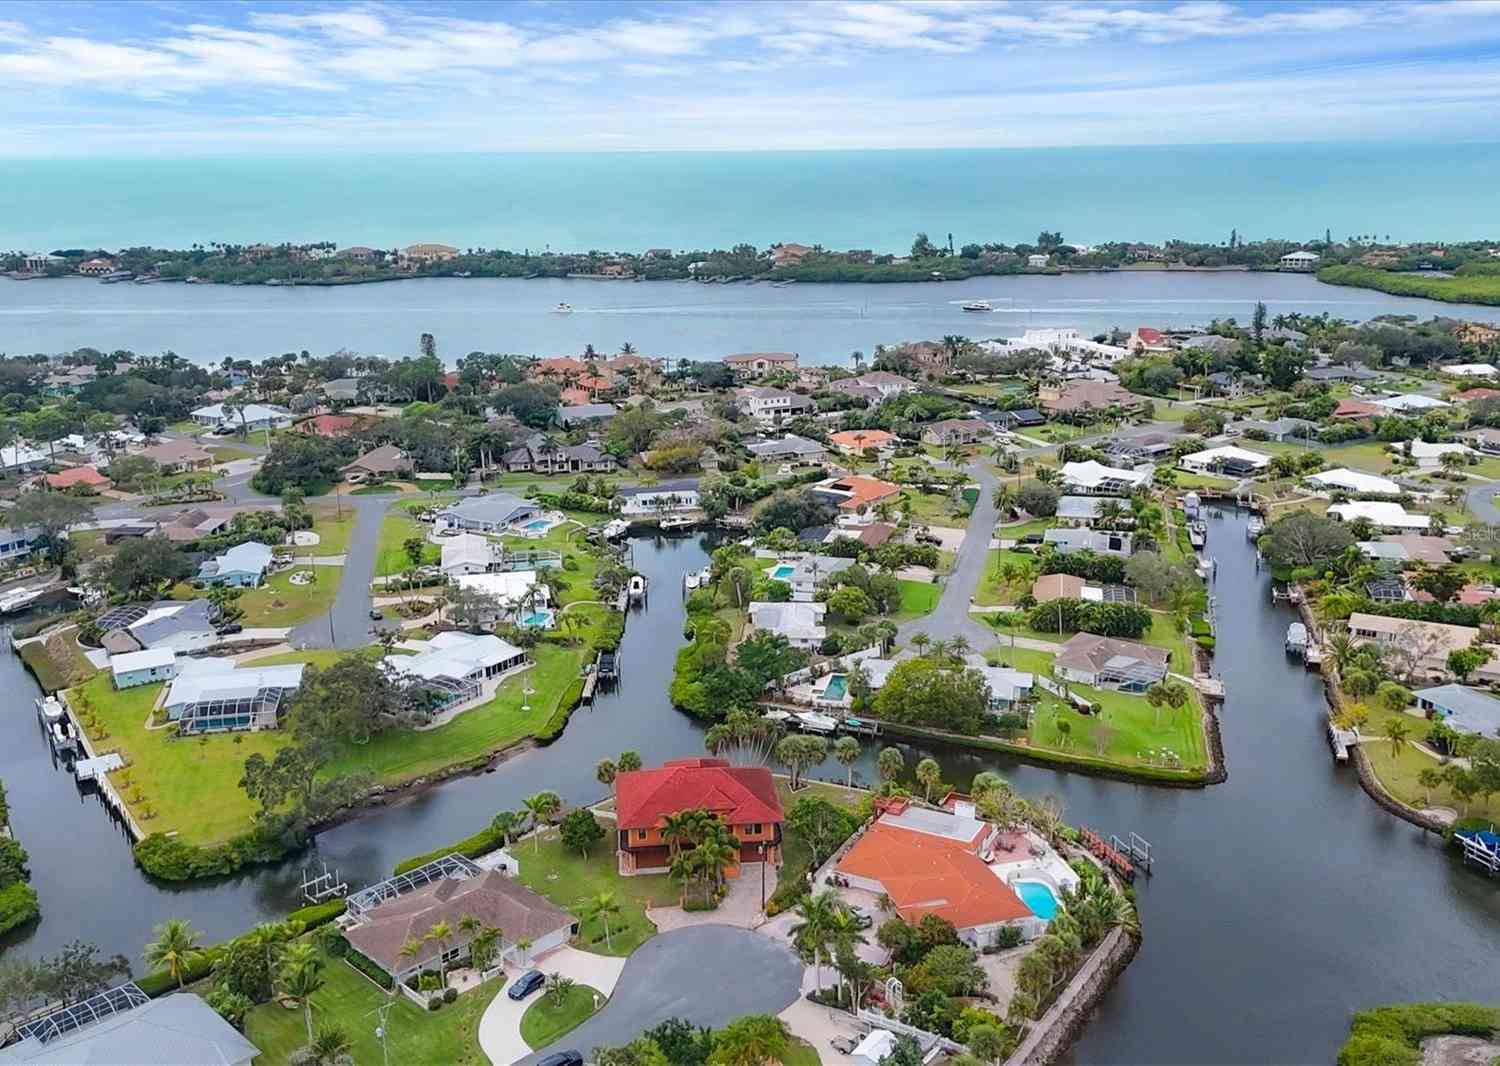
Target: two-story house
column 748, row 366
column 772, row 407
column 742, row 797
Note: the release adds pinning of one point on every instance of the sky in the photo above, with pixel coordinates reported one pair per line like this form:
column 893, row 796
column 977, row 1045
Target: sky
column 137, row 79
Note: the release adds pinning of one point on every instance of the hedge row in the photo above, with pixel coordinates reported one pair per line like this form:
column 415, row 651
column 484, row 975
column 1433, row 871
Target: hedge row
column 18, row 905
column 317, row 914
column 1392, row 1036
column 369, row 969
column 171, row 859
column 481, row 843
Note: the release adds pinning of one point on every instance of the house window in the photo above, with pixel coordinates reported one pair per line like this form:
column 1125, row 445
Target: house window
column 755, row 829
column 640, row 834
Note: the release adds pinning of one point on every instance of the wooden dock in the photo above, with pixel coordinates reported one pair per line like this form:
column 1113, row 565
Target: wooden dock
column 1104, row 851
column 590, row 680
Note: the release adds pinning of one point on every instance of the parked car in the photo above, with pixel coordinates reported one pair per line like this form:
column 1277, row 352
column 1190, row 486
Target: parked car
column 844, row 1045
column 526, row 984
column 570, row 1057
column 862, row 918
column 229, row 627
column 377, row 614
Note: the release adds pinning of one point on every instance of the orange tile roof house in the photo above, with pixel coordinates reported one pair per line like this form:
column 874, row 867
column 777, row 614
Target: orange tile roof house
column 87, row 476
column 931, row 862
column 743, row 797
column 856, row 492
column 330, row 426
column 854, row 441
column 747, row 365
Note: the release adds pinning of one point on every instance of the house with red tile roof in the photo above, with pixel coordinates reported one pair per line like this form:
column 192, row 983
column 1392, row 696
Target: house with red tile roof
column 330, row 426
column 1149, row 339
column 855, row 493
column 855, row 441
column 1358, row 409
column 742, row 797
column 87, row 476
column 1470, row 395
column 935, row 862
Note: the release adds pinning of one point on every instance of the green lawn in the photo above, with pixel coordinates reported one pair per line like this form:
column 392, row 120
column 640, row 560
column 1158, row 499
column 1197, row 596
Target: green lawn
column 333, row 531
column 1057, row 432
column 917, row 598
column 280, row 603
column 224, row 453
column 192, row 784
column 932, row 508
column 1184, row 479
column 992, row 590
column 546, row 1020
column 569, row 880
column 1163, row 634
column 1398, row 771
column 395, row 529
column 801, row 1053
column 349, row 999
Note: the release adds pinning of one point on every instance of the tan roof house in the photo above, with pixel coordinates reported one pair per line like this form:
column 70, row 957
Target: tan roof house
column 427, row 253
column 1419, row 649
column 748, row 365
column 1084, row 394
column 1109, row 663
column 1050, row 587
column 175, row 455
column 384, row 461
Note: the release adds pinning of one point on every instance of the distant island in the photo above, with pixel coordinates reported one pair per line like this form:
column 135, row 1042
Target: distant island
column 1467, row 272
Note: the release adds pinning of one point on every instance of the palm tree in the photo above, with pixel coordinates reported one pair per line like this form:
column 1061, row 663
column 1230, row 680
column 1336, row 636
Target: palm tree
column 814, row 927
column 684, row 869
column 558, row 988
column 175, row 948
column 1396, row 731
column 753, row 1040
column 890, row 763
column 302, row 975
column 1429, row 778
column 847, row 750
column 717, row 851
column 440, row 933
column 603, row 906
column 541, row 807
column 506, row 823
column 929, row 775
column 678, row 829
column 331, row 1045
column 920, row 642
column 605, row 772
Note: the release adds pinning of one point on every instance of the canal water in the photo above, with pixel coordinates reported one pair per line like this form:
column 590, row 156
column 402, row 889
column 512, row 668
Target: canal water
column 823, row 323
column 1283, row 899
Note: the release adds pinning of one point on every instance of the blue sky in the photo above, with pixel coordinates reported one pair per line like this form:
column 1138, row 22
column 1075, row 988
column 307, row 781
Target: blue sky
column 94, row 79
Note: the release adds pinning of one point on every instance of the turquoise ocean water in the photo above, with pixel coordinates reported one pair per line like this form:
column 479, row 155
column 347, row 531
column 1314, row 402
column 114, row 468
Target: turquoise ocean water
column 843, row 199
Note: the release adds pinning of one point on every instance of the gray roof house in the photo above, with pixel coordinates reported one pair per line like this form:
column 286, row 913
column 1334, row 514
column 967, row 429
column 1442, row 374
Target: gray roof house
column 1212, row 342
column 1101, row 542
column 585, row 412
column 1104, row 661
column 790, row 448
column 1339, row 372
column 1465, row 709
column 1084, row 510
column 490, row 513
column 1280, row 429
column 123, row 1027
column 804, row 575
column 800, row 623
column 543, row 456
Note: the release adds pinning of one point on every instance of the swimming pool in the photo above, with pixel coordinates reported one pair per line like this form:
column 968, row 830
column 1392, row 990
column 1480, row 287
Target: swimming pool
column 836, row 688
column 537, row 619
column 538, row 523
column 782, row 572
column 1038, row 898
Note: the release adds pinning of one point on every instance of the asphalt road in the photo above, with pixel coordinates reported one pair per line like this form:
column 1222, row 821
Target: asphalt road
column 706, row 974
column 349, row 625
column 951, row 616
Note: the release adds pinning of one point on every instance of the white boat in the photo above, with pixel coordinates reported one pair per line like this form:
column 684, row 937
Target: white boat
column 19, row 600
column 51, row 709
column 637, row 587
column 691, row 579
column 977, row 305
column 615, row 527
column 563, row 309
column 781, row 717
column 678, row 521
column 814, row 722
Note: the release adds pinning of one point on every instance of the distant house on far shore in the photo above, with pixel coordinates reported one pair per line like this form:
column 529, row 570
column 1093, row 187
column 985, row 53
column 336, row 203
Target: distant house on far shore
column 1299, row 261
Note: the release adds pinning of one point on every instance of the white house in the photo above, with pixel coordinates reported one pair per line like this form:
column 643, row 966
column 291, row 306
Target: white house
column 1381, row 513
column 1429, row 456
column 1470, row 370
column 213, row 694
column 1300, row 261
column 493, row 512
column 1410, row 401
column 1101, row 542
column 17, row 543
column 1036, row 261
column 455, row 666
column 1228, row 459
column 1095, row 479
column 467, row 553
column 771, row 407
column 664, row 498
column 517, row 591
column 253, row 416
column 1353, row 481
column 143, row 667
column 805, row 574
column 800, row 623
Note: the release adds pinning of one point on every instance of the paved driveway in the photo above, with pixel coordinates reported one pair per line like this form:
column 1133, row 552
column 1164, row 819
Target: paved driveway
column 500, row 1026
column 707, row 974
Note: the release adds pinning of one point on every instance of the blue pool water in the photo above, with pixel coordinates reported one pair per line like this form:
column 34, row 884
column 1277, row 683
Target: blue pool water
column 536, row 618
column 782, row 572
column 837, row 686
column 1038, row 897
column 538, row 523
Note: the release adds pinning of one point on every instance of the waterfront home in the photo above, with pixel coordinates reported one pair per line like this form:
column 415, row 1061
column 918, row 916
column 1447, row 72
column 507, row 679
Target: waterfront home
column 210, row 695
column 748, row 366
column 1095, row 479
column 1140, row 448
column 805, row 573
column 800, row 623
column 1477, row 334
column 1051, row 587
column 579, row 413
column 124, row 1025
column 427, row 253
column 1105, row 662
column 1421, row 647
column 1236, row 462
column 1009, row 689
column 248, row 417
column 884, row 383
column 243, row 566
column 1300, row 262
column 1382, row 514
column 517, row 595
column 1059, row 341
column 1470, row 370
column 386, row 461
column 177, row 456
column 870, row 534
column 79, row 477
column 1100, row 542
column 1462, row 708
column 1037, row 261
column 1086, row 510
column 1429, row 455
column 798, row 451
column 494, row 512
column 1084, row 395
column 662, row 499
column 951, row 431
column 789, row 254
column 1019, row 418
column 934, row 862
column 542, row 455
column 1211, row 343
column 855, row 494
column 858, row 441
column 143, row 667
column 1408, row 402
column 1388, row 588
column 23, row 457
column 1233, row 384
column 852, row 389
column 771, row 407
column 1148, row 339
column 193, row 524
column 1353, row 481
column 743, row 798
column 385, row 918
column 467, row 553
column 1420, row 548
column 456, row 666
column 177, row 624
column 17, row 543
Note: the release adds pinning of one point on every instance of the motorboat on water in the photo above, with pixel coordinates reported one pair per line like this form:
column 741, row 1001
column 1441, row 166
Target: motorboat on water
column 692, row 579
column 563, row 309
column 813, row 722
column 977, row 305
column 615, row 528
column 20, row 599
column 637, row 588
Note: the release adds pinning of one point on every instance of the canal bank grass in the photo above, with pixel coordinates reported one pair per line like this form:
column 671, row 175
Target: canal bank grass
column 570, row 880
column 189, row 786
column 1397, row 771
column 349, row 1000
column 192, row 784
column 546, row 1019
column 1134, row 728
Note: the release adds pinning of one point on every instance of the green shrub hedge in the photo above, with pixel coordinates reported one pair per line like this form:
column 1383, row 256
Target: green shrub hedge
column 171, row 859
column 18, row 905
column 481, row 843
column 369, row 969
column 1391, row 1036
column 317, row 914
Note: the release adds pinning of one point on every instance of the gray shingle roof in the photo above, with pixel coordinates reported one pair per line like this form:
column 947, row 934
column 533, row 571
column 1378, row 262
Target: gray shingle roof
column 175, row 1030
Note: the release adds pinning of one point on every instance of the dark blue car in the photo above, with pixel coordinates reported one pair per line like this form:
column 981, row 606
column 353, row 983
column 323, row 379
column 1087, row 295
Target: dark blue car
column 526, row 984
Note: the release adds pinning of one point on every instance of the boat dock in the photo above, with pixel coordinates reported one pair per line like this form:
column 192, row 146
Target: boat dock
column 1341, row 741
column 94, row 769
column 1105, row 851
column 1481, row 847
column 819, row 722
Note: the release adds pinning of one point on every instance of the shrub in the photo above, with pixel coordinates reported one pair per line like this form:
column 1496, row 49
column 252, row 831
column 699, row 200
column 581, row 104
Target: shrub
column 471, row 847
column 449, row 995
column 172, row 859
column 317, row 914
column 434, row 1002
column 1391, row 1036
column 367, row 967
column 18, row 905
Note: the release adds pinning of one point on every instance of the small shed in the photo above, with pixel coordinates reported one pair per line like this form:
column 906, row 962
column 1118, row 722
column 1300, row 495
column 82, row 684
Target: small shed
column 143, row 667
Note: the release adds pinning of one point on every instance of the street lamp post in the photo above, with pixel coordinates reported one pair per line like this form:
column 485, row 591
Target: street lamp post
column 762, row 849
